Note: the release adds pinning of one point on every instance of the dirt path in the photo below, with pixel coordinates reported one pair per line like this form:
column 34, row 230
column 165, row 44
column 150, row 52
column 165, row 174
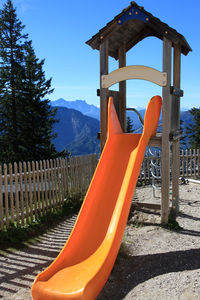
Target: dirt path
column 157, row 264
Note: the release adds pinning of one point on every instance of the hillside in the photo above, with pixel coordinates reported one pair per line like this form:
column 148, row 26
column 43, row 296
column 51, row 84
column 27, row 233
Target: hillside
column 76, row 132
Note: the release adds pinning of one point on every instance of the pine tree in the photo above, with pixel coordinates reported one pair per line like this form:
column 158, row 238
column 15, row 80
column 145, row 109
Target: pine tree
column 129, row 125
column 12, row 47
column 193, row 130
column 38, row 115
column 26, row 118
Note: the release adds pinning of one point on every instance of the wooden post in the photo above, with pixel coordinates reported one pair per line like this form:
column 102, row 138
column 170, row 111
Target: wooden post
column 166, row 109
column 34, row 191
column 30, row 190
column 103, row 93
column 11, row 193
column 122, row 90
column 176, row 146
column 1, row 201
column 16, row 193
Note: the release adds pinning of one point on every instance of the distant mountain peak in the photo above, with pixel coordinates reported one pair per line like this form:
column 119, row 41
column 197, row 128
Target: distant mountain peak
column 80, row 105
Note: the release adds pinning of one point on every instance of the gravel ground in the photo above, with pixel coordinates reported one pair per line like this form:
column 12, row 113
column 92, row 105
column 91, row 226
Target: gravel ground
column 154, row 263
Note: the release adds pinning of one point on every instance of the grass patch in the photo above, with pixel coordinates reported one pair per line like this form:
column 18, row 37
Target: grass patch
column 17, row 237
column 172, row 225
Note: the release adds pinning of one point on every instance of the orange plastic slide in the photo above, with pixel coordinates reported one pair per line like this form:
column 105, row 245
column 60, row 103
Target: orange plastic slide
column 84, row 264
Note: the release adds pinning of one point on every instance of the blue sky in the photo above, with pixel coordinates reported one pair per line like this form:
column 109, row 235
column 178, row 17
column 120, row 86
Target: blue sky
column 60, row 28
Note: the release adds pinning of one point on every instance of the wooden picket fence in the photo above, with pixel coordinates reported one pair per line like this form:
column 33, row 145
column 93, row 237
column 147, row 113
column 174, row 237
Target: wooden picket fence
column 189, row 165
column 31, row 189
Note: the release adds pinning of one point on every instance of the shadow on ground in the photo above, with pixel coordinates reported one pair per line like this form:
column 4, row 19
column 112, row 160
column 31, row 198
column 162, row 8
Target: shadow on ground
column 131, row 271
column 19, row 268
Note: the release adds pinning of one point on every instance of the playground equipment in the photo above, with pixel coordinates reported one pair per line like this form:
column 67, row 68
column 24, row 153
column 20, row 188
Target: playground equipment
column 122, row 33
column 83, row 266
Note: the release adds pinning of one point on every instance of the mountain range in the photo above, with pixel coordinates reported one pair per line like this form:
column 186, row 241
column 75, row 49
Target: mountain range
column 89, row 110
column 76, row 132
column 78, row 125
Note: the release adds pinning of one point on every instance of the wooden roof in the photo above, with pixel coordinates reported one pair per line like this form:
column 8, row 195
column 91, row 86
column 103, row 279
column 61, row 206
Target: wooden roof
column 131, row 26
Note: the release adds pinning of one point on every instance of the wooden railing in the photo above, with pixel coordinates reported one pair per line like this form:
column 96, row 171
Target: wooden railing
column 31, row 189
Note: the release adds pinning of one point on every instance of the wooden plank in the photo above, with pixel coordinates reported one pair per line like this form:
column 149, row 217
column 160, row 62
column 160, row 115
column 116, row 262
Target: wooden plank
column 77, row 167
column 122, row 89
column 16, row 194
column 71, row 172
column 52, row 184
column 11, row 193
column 182, row 163
column 175, row 126
column 103, row 92
column 6, row 195
column 49, row 184
column 45, row 186
column 38, row 187
column 134, row 72
column 41, row 172
column 26, row 193
column 30, row 190
column 190, row 158
column 62, row 181
column 194, row 162
column 187, row 162
column 147, row 205
column 198, row 163
column 1, row 201
column 34, row 191
column 166, row 109
column 94, row 163
column 156, row 141
column 58, row 182
column 65, row 177
column 21, row 193
column 55, row 184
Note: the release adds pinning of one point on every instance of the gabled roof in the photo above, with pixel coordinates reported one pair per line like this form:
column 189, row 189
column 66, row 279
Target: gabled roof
column 131, row 26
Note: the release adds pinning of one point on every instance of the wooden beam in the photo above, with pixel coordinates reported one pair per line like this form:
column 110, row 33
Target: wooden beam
column 103, row 93
column 146, row 205
column 166, row 110
column 134, row 72
column 122, row 89
column 175, row 126
column 156, row 141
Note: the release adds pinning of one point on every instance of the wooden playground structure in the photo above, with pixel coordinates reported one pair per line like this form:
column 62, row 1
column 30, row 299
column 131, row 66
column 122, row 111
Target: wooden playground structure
column 122, row 33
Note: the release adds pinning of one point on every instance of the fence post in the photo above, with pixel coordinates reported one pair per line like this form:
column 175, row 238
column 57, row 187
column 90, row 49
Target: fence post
column 52, row 183
column 30, row 190
column 11, row 193
column 45, row 186
column 38, row 186
column 26, row 193
column 6, row 194
column 34, row 191
column 1, row 201
column 49, row 184
column 42, row 186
